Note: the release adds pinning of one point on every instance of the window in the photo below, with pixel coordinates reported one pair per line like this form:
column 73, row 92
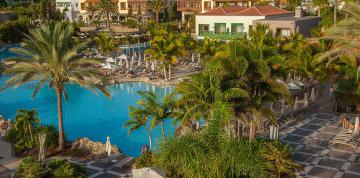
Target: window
column 283, row 32
column 220, row 28
column 237, row 28
column 203, row 28
column 76, row 4
column 207, row 5
column 123, row 5
column 82, row 6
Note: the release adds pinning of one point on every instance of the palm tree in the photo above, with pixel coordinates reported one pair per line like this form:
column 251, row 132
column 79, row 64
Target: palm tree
column 279, row 157
column 166, row 51
column 345, row 35
column 211, row 153
column 107, row 8
column 53, row 60
column 140, row 117
column 27, row 121
column 321, row 4
column 106, row 43
column 156, row 6
column 92, row 9
column 159, row 110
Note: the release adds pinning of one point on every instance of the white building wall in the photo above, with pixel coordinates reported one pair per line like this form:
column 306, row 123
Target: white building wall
column 211, row 20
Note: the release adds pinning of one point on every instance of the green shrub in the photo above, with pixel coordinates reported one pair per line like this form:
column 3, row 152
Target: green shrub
column 145, row 160
column 51, row 135
column 56, row 168
column 14, row 31
column 21, row 142
column 62, row 168
column 31, row 168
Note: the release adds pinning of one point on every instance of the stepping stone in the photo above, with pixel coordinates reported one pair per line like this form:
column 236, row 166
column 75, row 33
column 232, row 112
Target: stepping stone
column 332, row 129
column 107, row 175
column 331, row 163
column 325, row 136
column 311, row 150
column 319, row 122
column 302, row 132
column 354, row 167
column 322, row 172
column 324, row 116
column 343, row 147
column 303, row 157
column 318, row 142
column 339, row 154
column 293, row 138
column 311, row 127
column 349, row 175
column 90, row 171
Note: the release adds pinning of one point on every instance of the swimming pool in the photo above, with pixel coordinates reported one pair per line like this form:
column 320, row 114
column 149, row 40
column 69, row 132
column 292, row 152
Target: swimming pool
column 87, row 114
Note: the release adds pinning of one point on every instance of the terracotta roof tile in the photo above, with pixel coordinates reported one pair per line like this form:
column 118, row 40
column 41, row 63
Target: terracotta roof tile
column 243, row 11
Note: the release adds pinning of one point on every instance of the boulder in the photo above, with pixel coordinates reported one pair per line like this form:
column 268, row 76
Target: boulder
column 91, row 149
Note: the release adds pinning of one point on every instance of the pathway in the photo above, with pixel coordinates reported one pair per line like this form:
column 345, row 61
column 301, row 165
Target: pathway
column 8, row 162
column 310, row 137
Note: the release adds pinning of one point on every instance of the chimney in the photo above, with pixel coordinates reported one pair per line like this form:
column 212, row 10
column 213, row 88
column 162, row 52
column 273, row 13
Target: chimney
column 298, row 12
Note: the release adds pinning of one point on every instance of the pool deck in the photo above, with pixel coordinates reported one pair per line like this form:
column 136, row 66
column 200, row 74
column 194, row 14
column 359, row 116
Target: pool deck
column 310, row 137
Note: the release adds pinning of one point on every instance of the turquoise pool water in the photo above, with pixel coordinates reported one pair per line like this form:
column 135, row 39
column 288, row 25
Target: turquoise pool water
column 87, row 114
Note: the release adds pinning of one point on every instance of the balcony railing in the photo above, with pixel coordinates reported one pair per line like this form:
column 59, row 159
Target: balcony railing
column 189, row 5
column 223, row 36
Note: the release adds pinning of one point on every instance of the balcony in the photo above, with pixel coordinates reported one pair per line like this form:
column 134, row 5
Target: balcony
column 223, row 36
column 189, row 5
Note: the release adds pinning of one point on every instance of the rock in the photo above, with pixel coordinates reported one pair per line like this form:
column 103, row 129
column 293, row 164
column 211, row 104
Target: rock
column 91, row 149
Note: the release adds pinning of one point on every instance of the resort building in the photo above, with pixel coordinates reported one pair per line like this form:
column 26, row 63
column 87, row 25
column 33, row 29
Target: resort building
column 190, row 7
column 233, row 22
column 125, row 8
column 70, row 9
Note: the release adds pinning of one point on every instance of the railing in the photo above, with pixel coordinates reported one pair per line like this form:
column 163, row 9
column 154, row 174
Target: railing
column 223, row 36
column 189, row 5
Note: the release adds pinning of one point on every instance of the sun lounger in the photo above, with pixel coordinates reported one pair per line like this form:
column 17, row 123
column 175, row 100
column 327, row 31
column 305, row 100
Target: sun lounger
column 343, row 137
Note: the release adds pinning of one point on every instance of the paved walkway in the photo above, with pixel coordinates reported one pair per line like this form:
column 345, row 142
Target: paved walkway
column 8, row 162
column 310, row 136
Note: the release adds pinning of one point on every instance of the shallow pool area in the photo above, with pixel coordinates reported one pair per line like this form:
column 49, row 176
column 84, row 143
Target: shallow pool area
column 85, row 113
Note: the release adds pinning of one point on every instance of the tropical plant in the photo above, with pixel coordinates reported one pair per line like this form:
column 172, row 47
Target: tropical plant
column 26, row 121
column 346, row 37
column 280, row 161
column 145, row 160
column 166, row 51
column 60, row 168
column 139, row 118
column 107, row 8
column 53, row 59
column 211, row 153
column 106, row 43
column 31, row 168
column 159, row 110
column 92, row 9
column 156, row 6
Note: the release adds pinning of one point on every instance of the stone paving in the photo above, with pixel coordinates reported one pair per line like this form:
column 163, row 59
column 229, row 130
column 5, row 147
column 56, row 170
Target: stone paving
column 121, row 168
column 310, row 138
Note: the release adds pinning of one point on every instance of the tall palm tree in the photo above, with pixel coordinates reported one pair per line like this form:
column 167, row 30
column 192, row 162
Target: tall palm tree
column 280, row 161
column 140, row 117
column 106, row 43
column 160, row 110
column 156, row 6
column 166, row 51
column 346, row 37
column 27, row 121
column 107, row 8
column 53, row 60
column 92, row 9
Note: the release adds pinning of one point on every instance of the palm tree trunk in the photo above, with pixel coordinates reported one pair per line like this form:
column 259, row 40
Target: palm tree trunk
column 31, row 135
column 335, row 11
column 149, row 135
column 252, row 131
column 162, row 130
column 164, row 69
column 169, row 71
column 60, row 118
column 108, row 20
column 157, row 16
column 319, row 11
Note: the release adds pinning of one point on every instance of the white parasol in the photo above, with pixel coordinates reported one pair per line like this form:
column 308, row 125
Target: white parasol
column 108, row 146
column 110, row 59
column 356, row 127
